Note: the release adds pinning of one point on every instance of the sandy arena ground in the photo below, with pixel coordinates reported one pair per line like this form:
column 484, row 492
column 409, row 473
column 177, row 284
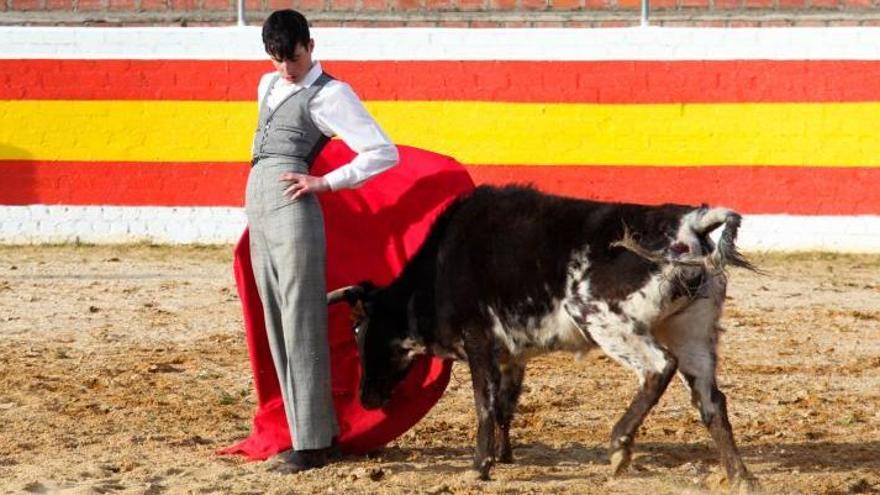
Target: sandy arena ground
column 122, row 369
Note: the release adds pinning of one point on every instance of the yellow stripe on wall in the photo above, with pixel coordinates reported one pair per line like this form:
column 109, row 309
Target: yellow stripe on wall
column 819, row 134
column 149, row 131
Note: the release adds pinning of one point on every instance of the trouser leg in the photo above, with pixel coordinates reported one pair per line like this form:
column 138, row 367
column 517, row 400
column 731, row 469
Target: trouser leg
column 288, row 253
column 302, row 286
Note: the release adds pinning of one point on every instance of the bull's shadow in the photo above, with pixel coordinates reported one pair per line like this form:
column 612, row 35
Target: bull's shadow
column 812, row 456
column 806, row 457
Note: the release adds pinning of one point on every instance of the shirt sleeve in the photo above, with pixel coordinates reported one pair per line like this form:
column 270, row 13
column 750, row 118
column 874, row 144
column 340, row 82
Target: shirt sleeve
column 263, row 87
column 337, row 111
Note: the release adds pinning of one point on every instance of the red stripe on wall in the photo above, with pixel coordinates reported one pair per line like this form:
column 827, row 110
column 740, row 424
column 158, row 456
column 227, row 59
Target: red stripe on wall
column 531, row 81
column 792, row 190
column 130, row 79
column 123, row 183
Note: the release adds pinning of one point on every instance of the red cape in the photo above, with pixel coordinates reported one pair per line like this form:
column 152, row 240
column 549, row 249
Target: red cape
column 371, row 233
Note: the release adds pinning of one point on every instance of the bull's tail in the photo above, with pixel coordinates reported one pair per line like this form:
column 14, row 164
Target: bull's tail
column 701, row 222
column 726, row 252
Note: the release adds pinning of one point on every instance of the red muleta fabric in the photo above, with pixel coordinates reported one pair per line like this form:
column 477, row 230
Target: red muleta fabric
column 371, row 233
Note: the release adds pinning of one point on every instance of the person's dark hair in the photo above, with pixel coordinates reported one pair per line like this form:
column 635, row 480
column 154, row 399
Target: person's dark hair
column 282, row 31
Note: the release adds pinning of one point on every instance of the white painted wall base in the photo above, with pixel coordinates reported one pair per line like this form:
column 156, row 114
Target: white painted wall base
column 42, row 224
column 45, row 224
column 637, row 43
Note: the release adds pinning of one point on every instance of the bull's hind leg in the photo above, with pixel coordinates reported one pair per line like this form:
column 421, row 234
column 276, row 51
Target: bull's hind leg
column 632, row 345
column 486, row 379
column 512, row 373
column 692, row 336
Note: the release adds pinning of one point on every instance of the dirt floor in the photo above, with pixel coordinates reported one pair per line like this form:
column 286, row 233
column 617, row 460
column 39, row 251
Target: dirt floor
column 122, row 370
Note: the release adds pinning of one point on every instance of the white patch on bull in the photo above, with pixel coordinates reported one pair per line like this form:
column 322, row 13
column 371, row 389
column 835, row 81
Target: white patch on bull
column 553, row 330
column 550, row 331
column 577, row 275
column 625, row 334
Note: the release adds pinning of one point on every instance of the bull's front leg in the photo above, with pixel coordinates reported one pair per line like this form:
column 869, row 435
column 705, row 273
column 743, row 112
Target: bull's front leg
column 512, row 373
column 485, row 377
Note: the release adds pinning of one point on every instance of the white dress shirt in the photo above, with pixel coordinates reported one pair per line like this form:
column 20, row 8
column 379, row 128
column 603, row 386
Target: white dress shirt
column 337, row 111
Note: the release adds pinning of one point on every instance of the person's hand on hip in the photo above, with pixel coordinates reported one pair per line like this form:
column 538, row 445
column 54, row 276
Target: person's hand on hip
column 300, row 184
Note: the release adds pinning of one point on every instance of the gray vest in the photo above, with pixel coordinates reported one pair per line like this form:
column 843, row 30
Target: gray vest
column 287, row 131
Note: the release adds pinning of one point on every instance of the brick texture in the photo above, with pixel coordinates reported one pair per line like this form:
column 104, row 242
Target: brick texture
column 154, row 5
column 90, row 5
column 344, row 5
column 727, row 4
column 408, row 5
column 663, row 4
column 211, row 5
column 470, row 5
column 629, row 4
column 28, row 4
column 567, row 4
column 374, row 5
column 122, row 5
column 311, row 5
column 281, row 4
column 697, row 4
column 502, row 4
column 184, row 5
column 422, row 13
column 534, row 4
column 438, row 4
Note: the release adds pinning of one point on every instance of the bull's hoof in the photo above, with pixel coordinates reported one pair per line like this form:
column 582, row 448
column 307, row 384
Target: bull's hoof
column 620, row 460
column 478, row 475
column 481, row 469
column 746, row 485
column 505, row 456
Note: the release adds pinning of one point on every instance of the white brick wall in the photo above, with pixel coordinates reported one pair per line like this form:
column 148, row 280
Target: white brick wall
column 651, row 43
column 37, row 224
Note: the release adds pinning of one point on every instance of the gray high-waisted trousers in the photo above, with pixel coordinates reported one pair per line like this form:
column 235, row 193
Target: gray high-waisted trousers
column 287, row 254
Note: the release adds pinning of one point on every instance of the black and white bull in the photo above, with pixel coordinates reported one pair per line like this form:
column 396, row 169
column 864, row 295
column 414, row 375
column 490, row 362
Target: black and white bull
column 508, row 273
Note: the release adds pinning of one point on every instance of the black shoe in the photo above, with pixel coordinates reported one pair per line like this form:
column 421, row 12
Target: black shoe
column 297, row 461
column 333, row 452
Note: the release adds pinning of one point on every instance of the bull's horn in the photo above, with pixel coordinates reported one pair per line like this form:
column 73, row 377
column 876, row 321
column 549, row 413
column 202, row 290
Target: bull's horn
column 338, row 295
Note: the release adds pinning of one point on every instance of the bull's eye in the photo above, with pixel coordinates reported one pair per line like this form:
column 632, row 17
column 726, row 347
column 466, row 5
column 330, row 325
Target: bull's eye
column 359, row 327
